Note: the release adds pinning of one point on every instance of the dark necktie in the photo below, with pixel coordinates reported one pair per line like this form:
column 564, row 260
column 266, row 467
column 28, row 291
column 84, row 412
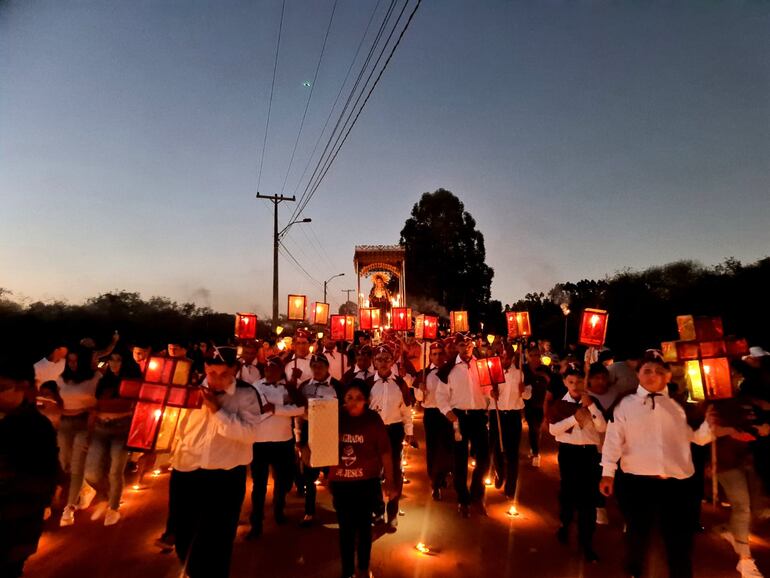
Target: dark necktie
column 652, row 396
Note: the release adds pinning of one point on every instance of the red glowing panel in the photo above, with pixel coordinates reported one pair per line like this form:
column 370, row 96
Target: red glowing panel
column 490, row 371
column 668, row 349
column 154, row 371
column 319, row 314
column 182, row 372
column 297, row 307
column 713, row 349
column 458, row 321
column 153, row 392
column 129, row 388
column 419, row 326
column 709, row 328
column 431, row 327
column 245, row 326
column 716, row 377
column 593, row 327
column 687, row 350
column 144, row 426
column 737, row 347
column 342, row 327
column 401, row 319
column 369, row 318
column 518, row 324
column 685, row 324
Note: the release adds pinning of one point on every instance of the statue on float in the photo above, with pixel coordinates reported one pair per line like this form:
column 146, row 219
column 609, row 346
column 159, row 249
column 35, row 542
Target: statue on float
column 379, row 296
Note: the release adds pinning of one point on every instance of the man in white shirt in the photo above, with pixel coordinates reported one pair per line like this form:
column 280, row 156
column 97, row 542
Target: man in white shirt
column 387, row 399
column 249, row 365
column 650, row 437
column 363, row 369
column 463, row 401
column 577, row 424
column 51, row 366
column 438, row 430
column 298, row 364
column 338, row 362
column 508, row 401
column 274, row 447
column 212, row 448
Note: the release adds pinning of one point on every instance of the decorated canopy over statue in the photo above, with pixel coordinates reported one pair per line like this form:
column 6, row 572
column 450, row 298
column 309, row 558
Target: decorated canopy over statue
column 384, row 266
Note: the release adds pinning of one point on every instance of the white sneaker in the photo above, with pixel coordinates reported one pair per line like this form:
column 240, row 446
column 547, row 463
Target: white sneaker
column 67, row 516
column 99, row 510
column 535, row 461
column 87, row 495
column 748, row 568
column 601, row 516
column 112, row 517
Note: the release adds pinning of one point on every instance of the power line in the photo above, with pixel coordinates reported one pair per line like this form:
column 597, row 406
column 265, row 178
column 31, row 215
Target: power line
column 270, row 100
column 360, row 110
column 310, row 95
column 287, row 253
column 339, row 93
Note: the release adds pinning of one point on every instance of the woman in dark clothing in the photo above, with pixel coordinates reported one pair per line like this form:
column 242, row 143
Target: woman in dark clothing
column 355, row 481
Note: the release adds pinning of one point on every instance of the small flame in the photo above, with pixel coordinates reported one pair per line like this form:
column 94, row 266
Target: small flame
column 153, row 364
column 487, row 481
column 512, row 512
column 594, row 320
column 135, row 487
column 155, row 473
column 158, row 413
column 422, row 548
column 473, row 463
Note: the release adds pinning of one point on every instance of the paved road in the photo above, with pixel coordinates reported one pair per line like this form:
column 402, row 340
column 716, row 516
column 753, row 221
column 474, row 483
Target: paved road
column 498, row 545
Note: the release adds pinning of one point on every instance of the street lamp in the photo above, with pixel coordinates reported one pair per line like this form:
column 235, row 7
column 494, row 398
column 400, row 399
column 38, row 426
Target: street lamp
column 329, row 279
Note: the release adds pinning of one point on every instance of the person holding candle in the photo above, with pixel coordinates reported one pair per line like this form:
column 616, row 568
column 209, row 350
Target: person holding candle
column 365, row 455
column 650, row 438
column 387, row 399
column 577, row 424
column 509, row 398
column 463, row 401
column 77, row 389
column 213, row 447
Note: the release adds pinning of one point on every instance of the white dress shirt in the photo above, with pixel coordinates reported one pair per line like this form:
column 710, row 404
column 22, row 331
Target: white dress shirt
column 302, row 363
column 48, row 370
column 278, row 426
column 219, row 440
column 364, row 374
column 510, row 396
column 651, row 441
column 462, row 390
column 313, row 389
column 249, row 373
column 338, row 364
column 568, row 431
column 387, row 400
column 428, row 397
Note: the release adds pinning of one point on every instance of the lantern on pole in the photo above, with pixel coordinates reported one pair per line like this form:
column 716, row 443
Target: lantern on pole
column 245, row 326
column 369, row 318
column 458, row 321
column 401, row 319
column 709, row 378
column 319, row 314
column 518, row 324
column 593, row 327
column 297, row 304
column 431, row 327
column 342, row 327
column 419, row 326
column 161, row 395
column 490, row 371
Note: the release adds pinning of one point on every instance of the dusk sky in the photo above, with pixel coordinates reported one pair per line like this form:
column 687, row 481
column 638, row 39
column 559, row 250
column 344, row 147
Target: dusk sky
column 583, row 136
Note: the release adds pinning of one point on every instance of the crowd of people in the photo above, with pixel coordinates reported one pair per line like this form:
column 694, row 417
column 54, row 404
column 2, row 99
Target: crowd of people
column 625, row 429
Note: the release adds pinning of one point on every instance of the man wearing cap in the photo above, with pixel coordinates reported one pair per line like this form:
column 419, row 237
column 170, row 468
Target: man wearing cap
column 321, row 386
column 250, row 370
column 462, row 400
column 212, row 448
column 274, row 447
column 363, row 369
column 387, row 399
column 298, row 363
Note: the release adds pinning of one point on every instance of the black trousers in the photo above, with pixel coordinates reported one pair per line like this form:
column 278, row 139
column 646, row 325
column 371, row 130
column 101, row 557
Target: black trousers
column 580, row 473
column 439, row 438
column 279, row 455
column 650, row 502
column 355, row 502
column 534, row 417
column 473, row 428
column 209, row 505
column 396, row 436
column 506, row 459
column 172, row 506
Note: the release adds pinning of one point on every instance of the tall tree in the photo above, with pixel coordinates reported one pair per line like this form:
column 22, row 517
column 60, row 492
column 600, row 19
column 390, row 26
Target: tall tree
column 445, row 256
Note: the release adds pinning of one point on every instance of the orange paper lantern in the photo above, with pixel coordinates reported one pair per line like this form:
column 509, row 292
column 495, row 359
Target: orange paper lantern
column 490, row 371
column 401, row 319
column 518, row 324
column 342, row 327
column 319, row 313
column 369, row 318
column 297, row 304
column 458, row 321
column 593, row 327
column 245, row 326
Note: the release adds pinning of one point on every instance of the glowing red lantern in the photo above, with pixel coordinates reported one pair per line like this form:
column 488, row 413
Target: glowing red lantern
column 685, row 324
column 297, row 304
column 713, row 349
column 709, row 378
column 668, row 349
column 319, row 314
column 245, row 326
column 490, row 371
column 369, row 318
column 401, row 319
column 458, row 321
column 431, row 327
column 342, row 327
column 593, row 327
column 687, row 350
column 419, row 326
column 160, row 396
column 709, row 329
column 518, row 324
